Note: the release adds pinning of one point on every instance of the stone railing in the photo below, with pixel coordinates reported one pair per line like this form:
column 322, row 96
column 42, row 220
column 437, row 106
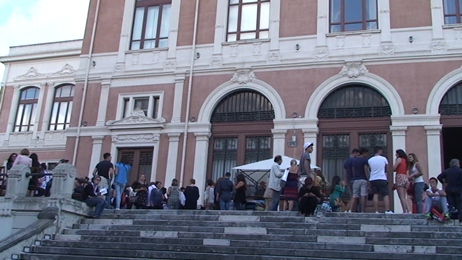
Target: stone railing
column 18, row 211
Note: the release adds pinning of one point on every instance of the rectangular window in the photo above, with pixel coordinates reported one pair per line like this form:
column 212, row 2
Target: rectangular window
column 452, row 11
column 257, row 148
column 248, row 19
column 353, row 15
column 148, row 104
column 335, row 150
column 151, row 24
column 224, row 156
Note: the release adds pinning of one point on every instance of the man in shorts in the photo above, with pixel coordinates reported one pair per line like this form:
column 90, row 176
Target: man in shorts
column 378, row 179
column 360, row 175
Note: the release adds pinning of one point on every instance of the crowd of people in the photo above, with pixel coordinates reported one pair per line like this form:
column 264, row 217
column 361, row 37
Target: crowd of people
column 364, row 177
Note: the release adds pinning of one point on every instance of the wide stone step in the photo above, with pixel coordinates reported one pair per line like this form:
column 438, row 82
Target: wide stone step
column 373, row 215
column 140, row 212
column 413, row 241
column 179, row 252
column 199, row 243
column 374, row 221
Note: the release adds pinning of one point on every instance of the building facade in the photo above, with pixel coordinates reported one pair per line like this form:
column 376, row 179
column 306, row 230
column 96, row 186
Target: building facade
column 190, row 89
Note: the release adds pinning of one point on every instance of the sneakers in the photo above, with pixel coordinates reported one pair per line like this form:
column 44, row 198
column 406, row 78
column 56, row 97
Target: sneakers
column 429, row 215
column 389, row 212
column 447, row 216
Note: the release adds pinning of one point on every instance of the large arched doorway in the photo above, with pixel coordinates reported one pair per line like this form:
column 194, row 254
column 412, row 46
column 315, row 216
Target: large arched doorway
column 450, row 110
column 352, row 116
column 241, row 131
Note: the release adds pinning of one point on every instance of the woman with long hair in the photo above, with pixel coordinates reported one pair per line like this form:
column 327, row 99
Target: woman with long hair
column 337, row 188
column 416, row 176
column 121, row 172
column 173, row 194
column 401, row 167
column 309, row 197
column 240, row 188
column 291, row 188
column 10, row 161
column 192, row 195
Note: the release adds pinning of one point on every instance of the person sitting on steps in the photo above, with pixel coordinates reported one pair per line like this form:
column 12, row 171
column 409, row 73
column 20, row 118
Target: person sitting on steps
column 91, row 196
column 436, row 198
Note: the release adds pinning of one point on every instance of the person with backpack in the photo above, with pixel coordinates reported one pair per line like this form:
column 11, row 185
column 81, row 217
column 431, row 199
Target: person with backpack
column 173, row 194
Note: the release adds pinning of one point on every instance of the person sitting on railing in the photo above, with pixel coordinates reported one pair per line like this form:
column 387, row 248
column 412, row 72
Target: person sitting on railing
column 91, row 197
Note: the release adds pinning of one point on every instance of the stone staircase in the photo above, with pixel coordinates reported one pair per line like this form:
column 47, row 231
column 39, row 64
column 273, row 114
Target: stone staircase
column 168, row 234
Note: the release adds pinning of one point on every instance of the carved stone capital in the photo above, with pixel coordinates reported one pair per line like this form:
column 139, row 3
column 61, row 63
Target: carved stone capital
column 243, row 77
column 353, row 70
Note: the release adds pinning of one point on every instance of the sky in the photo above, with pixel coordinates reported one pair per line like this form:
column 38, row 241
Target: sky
column 25, row 22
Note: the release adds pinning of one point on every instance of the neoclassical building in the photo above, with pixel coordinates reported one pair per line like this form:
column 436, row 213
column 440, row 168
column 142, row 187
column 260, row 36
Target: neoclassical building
column 191, row 88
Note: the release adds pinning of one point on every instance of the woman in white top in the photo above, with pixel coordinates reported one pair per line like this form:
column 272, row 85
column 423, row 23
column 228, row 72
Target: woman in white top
column 209, row 195
column 416, row 176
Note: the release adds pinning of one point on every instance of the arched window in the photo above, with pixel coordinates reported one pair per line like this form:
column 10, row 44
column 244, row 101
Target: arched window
column 25, row 116
column 241, row 131
column 243, row 106
column 354, row 101
column 62, row 107
column 451, row 104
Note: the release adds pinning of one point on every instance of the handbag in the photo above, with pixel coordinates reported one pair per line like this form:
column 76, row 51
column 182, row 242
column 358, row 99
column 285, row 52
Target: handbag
column 182, row 198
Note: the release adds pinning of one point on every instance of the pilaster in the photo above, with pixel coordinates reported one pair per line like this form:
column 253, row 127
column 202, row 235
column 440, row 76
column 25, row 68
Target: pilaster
column 103, row 103
column 279, row 138
column 178, row 98
column 172, row 159
column 433, row 147
column 95, row 153
column 200, row 162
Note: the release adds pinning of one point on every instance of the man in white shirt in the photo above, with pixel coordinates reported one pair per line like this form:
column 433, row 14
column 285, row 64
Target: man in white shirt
column 378, row 179
column 275, row 182
column 436, row 198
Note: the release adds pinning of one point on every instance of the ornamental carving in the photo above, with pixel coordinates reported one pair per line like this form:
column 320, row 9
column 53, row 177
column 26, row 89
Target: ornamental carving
column 169, row 65
column 31, row 73
column 66, row 70
column 243, row 77
column 274, row 57
column 320, row 53
column 439, row 46
column 353, row 70
column 135, row 138
column 387, row 50
column 137, row 119
column 217, row 61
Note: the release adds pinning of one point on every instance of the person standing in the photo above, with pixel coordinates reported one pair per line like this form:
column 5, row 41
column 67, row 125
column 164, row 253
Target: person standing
column 275, row 182
column 105, row 169
column 348, row 174
column 192, row 195
column 155, row 197
column 361, row 175
column 225, row 191
column 378, row 179
column 10, row 161
column 452, row 181
column 173, row 194
column 23, row 158
column 121, row 178
column 416, row 176
column 305, row 160
column 209, row 200
column 240, row 188
column 401, row 167
column 291, row 188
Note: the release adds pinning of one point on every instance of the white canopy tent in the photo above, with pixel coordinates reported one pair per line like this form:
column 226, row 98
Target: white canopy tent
column 258, row 171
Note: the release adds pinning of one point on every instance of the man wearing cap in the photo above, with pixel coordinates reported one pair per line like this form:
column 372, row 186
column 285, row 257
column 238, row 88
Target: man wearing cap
column 305, row 160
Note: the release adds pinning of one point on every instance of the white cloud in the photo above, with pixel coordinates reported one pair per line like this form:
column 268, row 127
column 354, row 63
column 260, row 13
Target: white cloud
column 46, row 21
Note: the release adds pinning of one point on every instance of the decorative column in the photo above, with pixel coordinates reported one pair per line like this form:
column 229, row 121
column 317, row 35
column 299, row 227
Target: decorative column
column 174, row 24
column 384, row 20
column 398, row 134
column 311, row 135
column 433, row 147
column 50, row 89
column 172, row 157
column 95, row 153
column 275, row 17
column 127, row 21
column 200, row 162
column 13, row 111
column 103, row 103
column 178, row 99
column 63, row 181
column 220, row 26
column 279, row 140
column 437, row 19
column 322, row 24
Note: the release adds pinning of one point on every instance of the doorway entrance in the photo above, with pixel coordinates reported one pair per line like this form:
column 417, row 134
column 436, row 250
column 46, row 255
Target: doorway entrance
column 452, row 138
column 141, row 161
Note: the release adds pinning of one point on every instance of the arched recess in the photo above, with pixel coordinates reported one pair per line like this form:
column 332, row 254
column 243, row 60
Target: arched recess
column 241, row 123
column 265, row 89
column 447, row 95
column 374, row 81
column 440, row 89
column 352, row 115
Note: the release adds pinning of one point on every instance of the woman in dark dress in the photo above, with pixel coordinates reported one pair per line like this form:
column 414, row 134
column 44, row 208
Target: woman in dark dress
column 291, row 188
column 192, row 195
column 141, row 189
column 309, row 197
column 239, row 197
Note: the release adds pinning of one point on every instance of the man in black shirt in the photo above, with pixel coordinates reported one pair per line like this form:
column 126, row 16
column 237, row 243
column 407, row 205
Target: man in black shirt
column 452, row 182
column 105, row 169
column 91, row 197
column 225, row 191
